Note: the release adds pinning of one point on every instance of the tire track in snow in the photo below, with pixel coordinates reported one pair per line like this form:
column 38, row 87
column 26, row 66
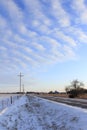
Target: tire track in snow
column 44, row 117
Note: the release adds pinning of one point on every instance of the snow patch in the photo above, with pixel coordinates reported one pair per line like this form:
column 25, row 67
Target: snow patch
column 34, row 113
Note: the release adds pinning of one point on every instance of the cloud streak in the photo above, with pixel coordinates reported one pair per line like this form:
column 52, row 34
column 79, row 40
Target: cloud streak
column 81, row 10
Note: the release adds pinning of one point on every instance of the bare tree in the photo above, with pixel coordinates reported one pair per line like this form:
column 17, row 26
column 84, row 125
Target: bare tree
column 75, row 84
column 75, row 88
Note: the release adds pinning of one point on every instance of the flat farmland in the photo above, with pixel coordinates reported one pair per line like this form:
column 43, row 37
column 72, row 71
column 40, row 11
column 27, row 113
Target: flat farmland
column 61, row 98
column 83, row 96
column 2, row 96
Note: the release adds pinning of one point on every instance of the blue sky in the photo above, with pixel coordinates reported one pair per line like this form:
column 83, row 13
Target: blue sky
column 46, row 40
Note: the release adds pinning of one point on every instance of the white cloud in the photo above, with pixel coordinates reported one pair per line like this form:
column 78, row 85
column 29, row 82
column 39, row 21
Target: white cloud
column 27, row 49
column 3, row 23
column 16, row 17
column 38, row 46
column 60, row 14
column 34, row 38
column 2, row 48
column 81, row 10
column 13, row 11
column 79, row 34
column 35, row 10
column 51, row 41
column 18, row 61
column 68, row 51
column 65, row 38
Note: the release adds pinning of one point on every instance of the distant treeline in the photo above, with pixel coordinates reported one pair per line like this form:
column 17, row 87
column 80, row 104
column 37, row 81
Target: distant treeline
column 35, row 93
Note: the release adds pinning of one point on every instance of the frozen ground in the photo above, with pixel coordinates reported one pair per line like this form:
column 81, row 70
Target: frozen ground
column 33, row 113
column 7, row 100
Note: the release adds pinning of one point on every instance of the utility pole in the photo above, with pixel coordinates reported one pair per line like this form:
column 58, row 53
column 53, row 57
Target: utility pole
column 20, row 75
column 23, row 88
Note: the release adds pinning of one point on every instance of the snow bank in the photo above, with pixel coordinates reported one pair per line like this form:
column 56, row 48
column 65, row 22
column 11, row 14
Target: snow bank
column 33, row 113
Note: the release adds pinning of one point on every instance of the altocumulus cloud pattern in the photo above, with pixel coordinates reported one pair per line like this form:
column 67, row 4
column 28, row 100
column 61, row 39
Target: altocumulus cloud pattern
column 40, row 32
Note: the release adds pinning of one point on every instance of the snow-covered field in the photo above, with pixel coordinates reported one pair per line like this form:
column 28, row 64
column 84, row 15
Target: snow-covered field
column 7, row 99
column 34, row 113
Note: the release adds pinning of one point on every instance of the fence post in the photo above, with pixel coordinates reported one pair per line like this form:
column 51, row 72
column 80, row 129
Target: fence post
column 11, row 99
column 2, row 104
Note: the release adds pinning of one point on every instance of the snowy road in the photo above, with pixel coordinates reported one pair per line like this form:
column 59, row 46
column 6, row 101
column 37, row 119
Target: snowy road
column 73, row 102
column 34, row 113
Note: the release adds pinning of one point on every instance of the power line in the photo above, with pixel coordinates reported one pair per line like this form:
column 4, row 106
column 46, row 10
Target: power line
column 20, row 76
